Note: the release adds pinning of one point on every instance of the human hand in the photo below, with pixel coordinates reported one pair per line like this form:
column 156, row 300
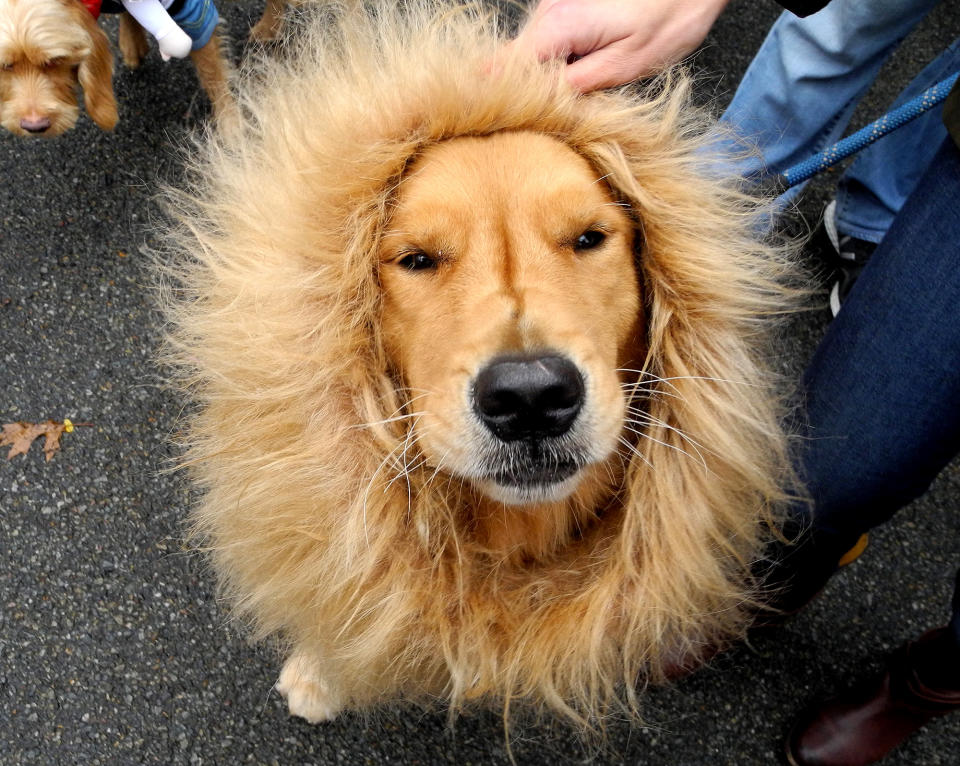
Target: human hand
column 612, row 42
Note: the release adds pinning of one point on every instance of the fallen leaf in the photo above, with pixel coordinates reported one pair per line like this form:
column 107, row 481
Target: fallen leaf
column 19, row 436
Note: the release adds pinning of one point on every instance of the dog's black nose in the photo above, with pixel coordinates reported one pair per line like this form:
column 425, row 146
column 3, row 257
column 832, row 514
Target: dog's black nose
column 528, row 396
column 35, row 124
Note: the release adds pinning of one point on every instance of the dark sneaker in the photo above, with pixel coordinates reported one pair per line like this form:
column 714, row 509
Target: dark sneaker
column 848, row 255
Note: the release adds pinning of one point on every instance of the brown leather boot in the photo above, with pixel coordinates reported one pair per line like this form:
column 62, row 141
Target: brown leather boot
column 861, row 726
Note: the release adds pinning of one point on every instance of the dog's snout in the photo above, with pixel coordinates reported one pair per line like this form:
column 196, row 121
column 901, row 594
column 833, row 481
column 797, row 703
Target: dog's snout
column 35, row 124
column 528, row 397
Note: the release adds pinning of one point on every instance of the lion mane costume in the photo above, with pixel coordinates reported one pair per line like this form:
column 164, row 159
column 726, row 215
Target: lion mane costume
column 364, row 564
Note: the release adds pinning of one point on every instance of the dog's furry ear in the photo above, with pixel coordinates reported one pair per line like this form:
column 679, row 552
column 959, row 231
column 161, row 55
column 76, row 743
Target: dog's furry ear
column 96, row 74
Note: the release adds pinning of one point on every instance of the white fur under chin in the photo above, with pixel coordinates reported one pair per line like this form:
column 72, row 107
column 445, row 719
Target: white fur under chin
column 538, row 493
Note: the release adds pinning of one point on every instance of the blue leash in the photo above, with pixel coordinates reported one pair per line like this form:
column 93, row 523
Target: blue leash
column 865, row 136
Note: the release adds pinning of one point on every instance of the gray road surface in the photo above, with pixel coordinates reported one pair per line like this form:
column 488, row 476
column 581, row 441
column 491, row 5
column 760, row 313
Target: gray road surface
column 112, row 647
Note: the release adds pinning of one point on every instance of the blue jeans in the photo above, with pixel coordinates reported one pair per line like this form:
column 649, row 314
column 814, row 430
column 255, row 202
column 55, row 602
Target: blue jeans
column 799, row 93
column 883, row 387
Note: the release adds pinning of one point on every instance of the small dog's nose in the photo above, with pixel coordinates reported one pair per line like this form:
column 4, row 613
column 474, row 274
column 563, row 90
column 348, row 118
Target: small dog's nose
column 528, row 396
column 35, row 124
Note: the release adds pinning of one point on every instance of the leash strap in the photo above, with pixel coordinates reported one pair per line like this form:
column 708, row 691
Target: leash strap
column 853, row 143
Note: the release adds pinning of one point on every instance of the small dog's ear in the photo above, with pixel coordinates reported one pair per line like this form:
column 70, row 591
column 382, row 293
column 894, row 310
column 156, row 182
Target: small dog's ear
column 96, row 74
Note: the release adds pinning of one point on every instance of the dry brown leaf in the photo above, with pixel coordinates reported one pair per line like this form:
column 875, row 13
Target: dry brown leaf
column 21, row 435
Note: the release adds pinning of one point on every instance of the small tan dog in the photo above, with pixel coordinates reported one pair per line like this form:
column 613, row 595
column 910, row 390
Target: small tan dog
column 48, row 47
column 484, row 416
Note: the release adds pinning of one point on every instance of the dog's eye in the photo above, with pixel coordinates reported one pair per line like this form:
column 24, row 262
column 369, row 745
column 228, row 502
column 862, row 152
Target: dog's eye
column 417, row 261
column 589, row 239
column 52, row 63
column 6, row 67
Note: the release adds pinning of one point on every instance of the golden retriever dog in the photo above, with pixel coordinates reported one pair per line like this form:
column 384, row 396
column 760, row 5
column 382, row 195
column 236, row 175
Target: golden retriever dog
column 49, row 47
column 483, row 414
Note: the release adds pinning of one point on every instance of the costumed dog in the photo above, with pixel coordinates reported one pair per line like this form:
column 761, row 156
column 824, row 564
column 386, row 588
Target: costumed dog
column 483, row 415
column 49, row 47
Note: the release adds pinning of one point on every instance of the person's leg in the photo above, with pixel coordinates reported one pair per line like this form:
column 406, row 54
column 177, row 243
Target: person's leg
column 880, row 179
column 882, row 391
column 799, row 92
column 883, row 385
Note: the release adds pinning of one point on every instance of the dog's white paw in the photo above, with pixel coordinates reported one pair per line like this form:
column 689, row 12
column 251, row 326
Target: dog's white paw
column 307, row 695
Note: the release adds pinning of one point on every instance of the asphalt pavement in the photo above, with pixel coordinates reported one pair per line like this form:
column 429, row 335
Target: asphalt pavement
column 113, row 648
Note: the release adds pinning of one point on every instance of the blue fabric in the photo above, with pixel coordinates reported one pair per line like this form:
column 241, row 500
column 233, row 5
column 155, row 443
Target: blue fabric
column 883, row 387
column 800, row 91
column 198, row 18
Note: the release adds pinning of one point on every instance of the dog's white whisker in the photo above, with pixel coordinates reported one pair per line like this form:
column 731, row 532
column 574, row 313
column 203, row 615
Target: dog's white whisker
column 648, row 418
column 669, row 378
column 635, row 388
column 644, row 434
column 385, row 421
column 402, row 470
column 437, row 468
column 641, row 430
column 635, row 451
column 394, row 416
column 405, row 474
column 366, row 493
column 410, row 439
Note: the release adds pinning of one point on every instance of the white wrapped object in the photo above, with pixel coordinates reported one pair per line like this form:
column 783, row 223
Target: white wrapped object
column 153, row 16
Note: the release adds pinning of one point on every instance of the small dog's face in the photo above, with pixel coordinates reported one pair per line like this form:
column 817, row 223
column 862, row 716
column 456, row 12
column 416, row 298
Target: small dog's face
column 511, row 300
column 47, row 49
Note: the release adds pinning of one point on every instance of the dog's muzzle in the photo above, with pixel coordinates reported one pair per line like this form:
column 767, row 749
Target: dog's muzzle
column 530, row 403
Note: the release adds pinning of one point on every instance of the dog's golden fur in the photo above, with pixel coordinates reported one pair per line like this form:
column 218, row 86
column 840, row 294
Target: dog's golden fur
column 334, row 517
column 49, row 47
